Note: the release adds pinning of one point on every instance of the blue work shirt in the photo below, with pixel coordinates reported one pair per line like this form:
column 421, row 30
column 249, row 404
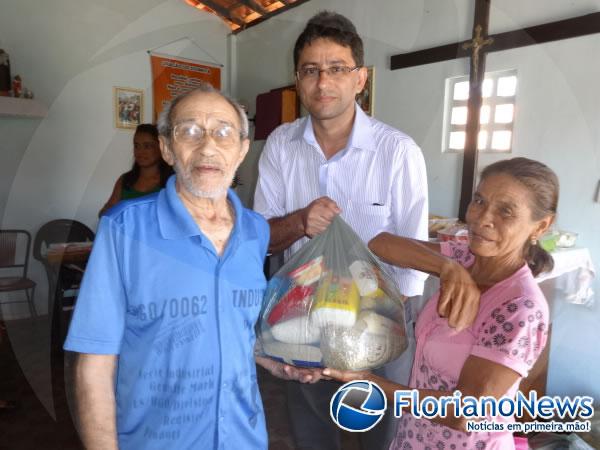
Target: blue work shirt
column 181, row 319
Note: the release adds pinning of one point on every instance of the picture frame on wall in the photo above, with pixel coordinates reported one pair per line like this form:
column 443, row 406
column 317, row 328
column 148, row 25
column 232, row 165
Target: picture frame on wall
column 366, row 99
column 128, row 106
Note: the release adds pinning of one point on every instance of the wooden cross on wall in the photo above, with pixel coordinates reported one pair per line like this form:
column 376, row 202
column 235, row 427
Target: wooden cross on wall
column 476, row 49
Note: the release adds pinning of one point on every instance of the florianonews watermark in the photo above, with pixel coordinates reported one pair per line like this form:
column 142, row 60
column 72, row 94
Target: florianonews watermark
column 359, row 405
column 486, row 413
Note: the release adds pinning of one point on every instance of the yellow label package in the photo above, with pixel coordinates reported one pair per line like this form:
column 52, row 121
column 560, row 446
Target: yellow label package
column 337, row 303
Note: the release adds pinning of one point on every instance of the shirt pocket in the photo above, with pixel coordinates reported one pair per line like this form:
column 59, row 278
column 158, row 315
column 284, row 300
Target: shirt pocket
column 367, row 216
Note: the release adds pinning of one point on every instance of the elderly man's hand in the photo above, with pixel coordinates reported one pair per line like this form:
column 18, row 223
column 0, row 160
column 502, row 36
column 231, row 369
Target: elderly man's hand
column 287, row 372
column 317, row 216
column 459, row 296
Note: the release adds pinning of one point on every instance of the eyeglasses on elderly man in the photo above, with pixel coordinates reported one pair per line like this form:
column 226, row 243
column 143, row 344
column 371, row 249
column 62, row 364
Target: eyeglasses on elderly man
column 223, row 133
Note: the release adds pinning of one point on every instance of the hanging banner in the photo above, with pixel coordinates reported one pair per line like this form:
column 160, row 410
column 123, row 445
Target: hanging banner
column 174, row 76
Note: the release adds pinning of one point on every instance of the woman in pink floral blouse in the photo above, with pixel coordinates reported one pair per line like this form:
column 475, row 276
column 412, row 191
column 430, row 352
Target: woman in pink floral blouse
column 507, row 315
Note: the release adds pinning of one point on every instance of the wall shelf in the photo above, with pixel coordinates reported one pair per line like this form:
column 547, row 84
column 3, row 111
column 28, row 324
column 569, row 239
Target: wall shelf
column 22, row 107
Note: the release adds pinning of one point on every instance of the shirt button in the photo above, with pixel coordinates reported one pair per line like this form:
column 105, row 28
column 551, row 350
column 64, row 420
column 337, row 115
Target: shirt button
column 225, row 385
column 222, row 418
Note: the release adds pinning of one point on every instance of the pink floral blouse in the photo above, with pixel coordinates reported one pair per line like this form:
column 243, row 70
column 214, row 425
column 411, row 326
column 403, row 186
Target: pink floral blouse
column 510, row 329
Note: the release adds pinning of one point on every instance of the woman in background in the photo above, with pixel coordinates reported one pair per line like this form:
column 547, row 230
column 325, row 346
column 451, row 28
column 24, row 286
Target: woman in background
column 513, row 205
column 149, row 172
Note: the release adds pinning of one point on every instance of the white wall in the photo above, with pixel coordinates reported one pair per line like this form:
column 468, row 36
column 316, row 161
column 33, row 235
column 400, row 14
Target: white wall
column 71, row 54
column 557, row 118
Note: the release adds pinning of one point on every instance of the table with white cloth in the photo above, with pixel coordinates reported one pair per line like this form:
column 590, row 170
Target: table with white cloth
column 571, row 279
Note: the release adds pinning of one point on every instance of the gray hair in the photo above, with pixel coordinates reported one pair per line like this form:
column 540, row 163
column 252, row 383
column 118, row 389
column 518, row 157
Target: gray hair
column 542, row 183
column 165, row 120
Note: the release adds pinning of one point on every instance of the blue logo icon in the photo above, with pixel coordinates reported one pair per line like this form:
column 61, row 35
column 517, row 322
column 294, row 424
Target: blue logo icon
column 358, row 405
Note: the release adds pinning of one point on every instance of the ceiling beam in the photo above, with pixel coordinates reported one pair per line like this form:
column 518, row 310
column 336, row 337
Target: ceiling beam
column 256, row 6
column 223, row 12
column 289, row 5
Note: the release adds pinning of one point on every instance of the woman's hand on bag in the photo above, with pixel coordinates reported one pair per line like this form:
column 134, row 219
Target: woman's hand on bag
column 317, row 216
column 459, row 296
column 346, row 375
column 288, row 372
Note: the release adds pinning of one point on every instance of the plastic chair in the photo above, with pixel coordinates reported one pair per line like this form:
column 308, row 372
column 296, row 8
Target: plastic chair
column 14, row 261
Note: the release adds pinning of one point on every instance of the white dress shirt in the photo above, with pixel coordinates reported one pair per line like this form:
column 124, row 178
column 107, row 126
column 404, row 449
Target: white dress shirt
column 379, row 182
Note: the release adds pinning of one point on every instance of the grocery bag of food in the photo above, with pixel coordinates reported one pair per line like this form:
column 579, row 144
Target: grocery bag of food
column 333, row 305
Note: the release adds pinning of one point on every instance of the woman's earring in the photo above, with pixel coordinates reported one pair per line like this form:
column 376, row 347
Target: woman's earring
column 534, row 240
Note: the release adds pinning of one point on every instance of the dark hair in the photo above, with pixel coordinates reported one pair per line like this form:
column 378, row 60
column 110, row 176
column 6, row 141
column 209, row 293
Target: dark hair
column 148, row 128
column 542, row 184
column 333, row 26
column 129, row 178
column 165, row 119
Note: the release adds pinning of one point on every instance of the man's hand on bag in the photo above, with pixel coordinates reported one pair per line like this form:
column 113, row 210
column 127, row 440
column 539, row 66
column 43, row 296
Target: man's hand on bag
column 287, row 372
column 459, row 296
column 317, row 216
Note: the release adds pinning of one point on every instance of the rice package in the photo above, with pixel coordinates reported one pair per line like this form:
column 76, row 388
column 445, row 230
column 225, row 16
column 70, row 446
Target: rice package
column 333, row 305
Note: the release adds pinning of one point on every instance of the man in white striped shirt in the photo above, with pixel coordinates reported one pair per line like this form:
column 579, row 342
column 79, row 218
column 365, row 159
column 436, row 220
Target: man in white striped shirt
column 338, row 161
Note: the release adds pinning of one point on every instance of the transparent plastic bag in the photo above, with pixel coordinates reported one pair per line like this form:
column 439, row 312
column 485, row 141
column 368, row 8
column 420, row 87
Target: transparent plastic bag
column 333, row 305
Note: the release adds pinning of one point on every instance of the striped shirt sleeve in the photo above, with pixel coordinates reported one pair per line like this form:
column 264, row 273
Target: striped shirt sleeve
column 410, row 209
column 269, row 197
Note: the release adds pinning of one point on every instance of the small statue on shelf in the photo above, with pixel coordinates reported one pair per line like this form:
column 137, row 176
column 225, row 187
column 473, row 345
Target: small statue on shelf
column 17, row 86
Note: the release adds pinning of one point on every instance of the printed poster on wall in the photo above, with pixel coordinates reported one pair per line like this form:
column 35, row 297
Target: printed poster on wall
column 173, row 76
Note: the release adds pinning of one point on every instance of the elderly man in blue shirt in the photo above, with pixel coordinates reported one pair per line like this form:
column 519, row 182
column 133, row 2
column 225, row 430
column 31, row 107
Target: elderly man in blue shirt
column 164, row 322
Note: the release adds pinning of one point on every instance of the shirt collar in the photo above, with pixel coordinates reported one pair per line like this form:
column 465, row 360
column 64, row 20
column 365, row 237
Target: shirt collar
column 361, row 135
column 176, row 222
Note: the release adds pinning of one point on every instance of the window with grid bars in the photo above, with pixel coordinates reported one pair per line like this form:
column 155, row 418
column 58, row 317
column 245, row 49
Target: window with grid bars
column 496, row 117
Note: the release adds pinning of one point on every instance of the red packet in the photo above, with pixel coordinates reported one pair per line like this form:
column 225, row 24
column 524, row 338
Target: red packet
column 295, row 303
